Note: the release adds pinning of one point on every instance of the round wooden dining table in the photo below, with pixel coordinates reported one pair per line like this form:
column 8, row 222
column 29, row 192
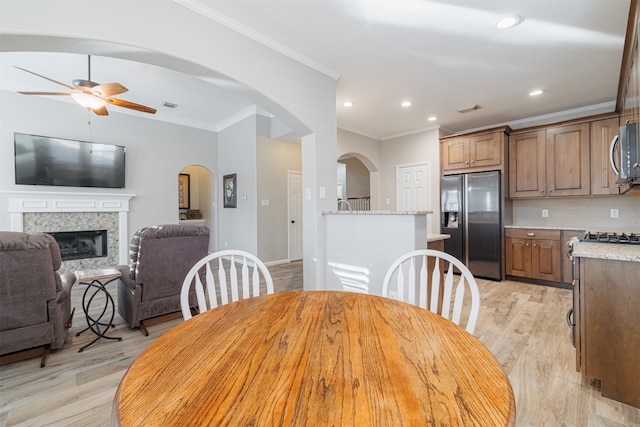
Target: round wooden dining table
column 315, row 358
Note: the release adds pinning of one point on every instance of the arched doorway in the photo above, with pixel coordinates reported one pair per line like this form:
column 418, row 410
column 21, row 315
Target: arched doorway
column 357, row 182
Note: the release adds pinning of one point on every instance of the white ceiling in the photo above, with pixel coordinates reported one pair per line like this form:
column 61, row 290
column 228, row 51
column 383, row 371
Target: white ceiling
column 440, row 55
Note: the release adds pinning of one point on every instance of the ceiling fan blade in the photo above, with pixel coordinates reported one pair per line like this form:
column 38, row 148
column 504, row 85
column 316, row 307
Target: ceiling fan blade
column 109, row 89
column 100, row 111
column 46, row 78
column 131, row 105
column 46, row 93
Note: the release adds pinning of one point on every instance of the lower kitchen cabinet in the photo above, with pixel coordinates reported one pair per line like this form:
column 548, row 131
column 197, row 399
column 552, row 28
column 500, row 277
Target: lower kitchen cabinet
column 534, row 254
column 606, row 316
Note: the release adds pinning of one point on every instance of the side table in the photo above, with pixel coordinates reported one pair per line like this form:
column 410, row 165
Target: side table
column 96, row 280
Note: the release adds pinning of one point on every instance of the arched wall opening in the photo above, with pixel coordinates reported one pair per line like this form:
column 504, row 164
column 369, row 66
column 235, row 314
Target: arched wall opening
column 302, row 97
column 359, row 182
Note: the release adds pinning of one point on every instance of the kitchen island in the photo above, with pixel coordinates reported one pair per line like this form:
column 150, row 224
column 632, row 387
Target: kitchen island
column 361, row 245
column 607, row 319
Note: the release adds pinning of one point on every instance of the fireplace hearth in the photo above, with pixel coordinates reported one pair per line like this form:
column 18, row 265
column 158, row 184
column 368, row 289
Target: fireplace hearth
column 81, row 244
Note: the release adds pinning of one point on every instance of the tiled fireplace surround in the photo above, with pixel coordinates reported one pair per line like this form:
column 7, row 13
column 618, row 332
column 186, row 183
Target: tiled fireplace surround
column 57, row 211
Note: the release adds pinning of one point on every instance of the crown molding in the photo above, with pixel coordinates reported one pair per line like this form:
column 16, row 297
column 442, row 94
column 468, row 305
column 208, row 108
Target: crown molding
column 224, row 20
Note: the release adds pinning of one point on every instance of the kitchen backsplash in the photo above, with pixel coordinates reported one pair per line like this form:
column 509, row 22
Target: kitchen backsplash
column 588, row 213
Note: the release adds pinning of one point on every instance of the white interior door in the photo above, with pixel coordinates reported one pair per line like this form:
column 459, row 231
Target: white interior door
column 295, row 215
column 412, row 187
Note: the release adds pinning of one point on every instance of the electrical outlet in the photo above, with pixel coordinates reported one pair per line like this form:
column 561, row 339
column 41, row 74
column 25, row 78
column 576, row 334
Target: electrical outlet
column 615, row 213
column 545, row 213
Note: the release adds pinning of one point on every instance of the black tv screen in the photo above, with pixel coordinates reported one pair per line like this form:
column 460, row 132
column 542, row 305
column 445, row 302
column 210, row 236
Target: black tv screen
column 43, row 160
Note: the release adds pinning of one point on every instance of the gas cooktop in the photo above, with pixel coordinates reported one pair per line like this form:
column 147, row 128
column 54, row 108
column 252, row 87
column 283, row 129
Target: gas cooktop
column 609, row 237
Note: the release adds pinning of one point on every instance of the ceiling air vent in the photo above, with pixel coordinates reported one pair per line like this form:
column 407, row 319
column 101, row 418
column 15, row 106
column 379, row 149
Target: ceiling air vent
column 469, row 109
column 169, row 104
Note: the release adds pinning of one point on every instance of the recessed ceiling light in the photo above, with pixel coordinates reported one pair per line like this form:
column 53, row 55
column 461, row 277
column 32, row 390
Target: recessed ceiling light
column 536, row 92
column 509, row 22
column 432, row 118
column 348, row 104
column 406, row 104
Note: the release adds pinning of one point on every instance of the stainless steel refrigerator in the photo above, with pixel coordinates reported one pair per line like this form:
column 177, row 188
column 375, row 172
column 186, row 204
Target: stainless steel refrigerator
column 471, row 214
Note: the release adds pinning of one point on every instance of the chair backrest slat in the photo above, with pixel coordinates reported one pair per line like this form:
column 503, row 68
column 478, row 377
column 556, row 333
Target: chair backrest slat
column 211, row 287
column 428, row 294
column 228, row 276
column 424, row 278
column 435, row 286
column 222, row 282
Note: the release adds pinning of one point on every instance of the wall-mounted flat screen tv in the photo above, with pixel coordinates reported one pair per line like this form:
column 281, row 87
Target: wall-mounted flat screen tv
column 43, row 160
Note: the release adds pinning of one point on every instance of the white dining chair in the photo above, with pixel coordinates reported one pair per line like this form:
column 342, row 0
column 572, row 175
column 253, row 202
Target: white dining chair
column 408, row 280
column 225, row 272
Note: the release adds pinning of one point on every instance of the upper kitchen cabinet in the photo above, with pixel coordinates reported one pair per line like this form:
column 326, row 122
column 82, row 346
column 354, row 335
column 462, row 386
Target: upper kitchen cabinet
column 474, row 152
column 603, row 179
column 551, row 162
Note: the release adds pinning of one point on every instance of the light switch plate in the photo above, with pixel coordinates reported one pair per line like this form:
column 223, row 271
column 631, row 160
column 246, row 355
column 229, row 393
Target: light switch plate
column 545, row 213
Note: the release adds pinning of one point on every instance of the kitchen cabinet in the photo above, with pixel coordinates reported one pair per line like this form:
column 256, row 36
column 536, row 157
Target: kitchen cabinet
column 606, row 320
column 567, row 263
column 473, row 152
column 533, row 254
column 551, row 162
column 603, row 179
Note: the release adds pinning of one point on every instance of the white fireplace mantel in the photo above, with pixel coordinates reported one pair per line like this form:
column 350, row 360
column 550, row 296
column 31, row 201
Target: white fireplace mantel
column 19, row 202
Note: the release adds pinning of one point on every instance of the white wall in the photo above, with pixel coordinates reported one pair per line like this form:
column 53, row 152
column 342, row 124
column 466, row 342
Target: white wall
column 156, row 152
column 275, row 158
column 368, row 151
column 417, row 148
column 237, row 150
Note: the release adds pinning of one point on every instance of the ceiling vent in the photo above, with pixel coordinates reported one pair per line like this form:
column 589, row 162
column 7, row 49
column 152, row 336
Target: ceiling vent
column 469, row 109
column 169, row 104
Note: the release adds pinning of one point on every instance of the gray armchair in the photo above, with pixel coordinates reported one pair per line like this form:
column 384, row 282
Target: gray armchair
column 160, row 258
column 35, row 301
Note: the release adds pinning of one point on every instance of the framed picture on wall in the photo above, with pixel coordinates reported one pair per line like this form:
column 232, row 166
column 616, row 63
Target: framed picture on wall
column 230, row 191
column 183, row 191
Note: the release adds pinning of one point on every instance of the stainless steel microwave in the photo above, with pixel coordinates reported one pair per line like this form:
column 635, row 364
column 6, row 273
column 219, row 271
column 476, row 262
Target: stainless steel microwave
column 625, row 159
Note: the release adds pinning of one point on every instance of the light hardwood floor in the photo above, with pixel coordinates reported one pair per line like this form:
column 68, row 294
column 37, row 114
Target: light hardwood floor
column 522, row 324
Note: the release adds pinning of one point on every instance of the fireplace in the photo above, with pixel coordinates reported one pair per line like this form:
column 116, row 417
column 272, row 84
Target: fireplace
column 81, row 244
column 53, row 212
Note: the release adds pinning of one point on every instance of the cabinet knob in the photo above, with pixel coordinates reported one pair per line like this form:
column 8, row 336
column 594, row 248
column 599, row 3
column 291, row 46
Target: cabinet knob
column 526, row 244
column 534, row 245
column 542, row 190
column 531, row 234
column 551, row 190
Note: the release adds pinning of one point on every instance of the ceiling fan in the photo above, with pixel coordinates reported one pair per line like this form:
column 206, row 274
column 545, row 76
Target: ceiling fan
column 92, row 95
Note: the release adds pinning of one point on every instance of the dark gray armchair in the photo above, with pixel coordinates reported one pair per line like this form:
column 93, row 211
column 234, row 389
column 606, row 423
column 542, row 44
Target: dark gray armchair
column 35, row 301
column 160, row 258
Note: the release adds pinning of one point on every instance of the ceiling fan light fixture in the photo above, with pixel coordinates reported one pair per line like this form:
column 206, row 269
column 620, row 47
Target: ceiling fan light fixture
column 88, row 101
column 469, row 109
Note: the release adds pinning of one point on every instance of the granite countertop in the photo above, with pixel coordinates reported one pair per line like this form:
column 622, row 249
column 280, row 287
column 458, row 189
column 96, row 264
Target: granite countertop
column 437, row 237
column 376, row 212
column 612, row 251
column 547, row 227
